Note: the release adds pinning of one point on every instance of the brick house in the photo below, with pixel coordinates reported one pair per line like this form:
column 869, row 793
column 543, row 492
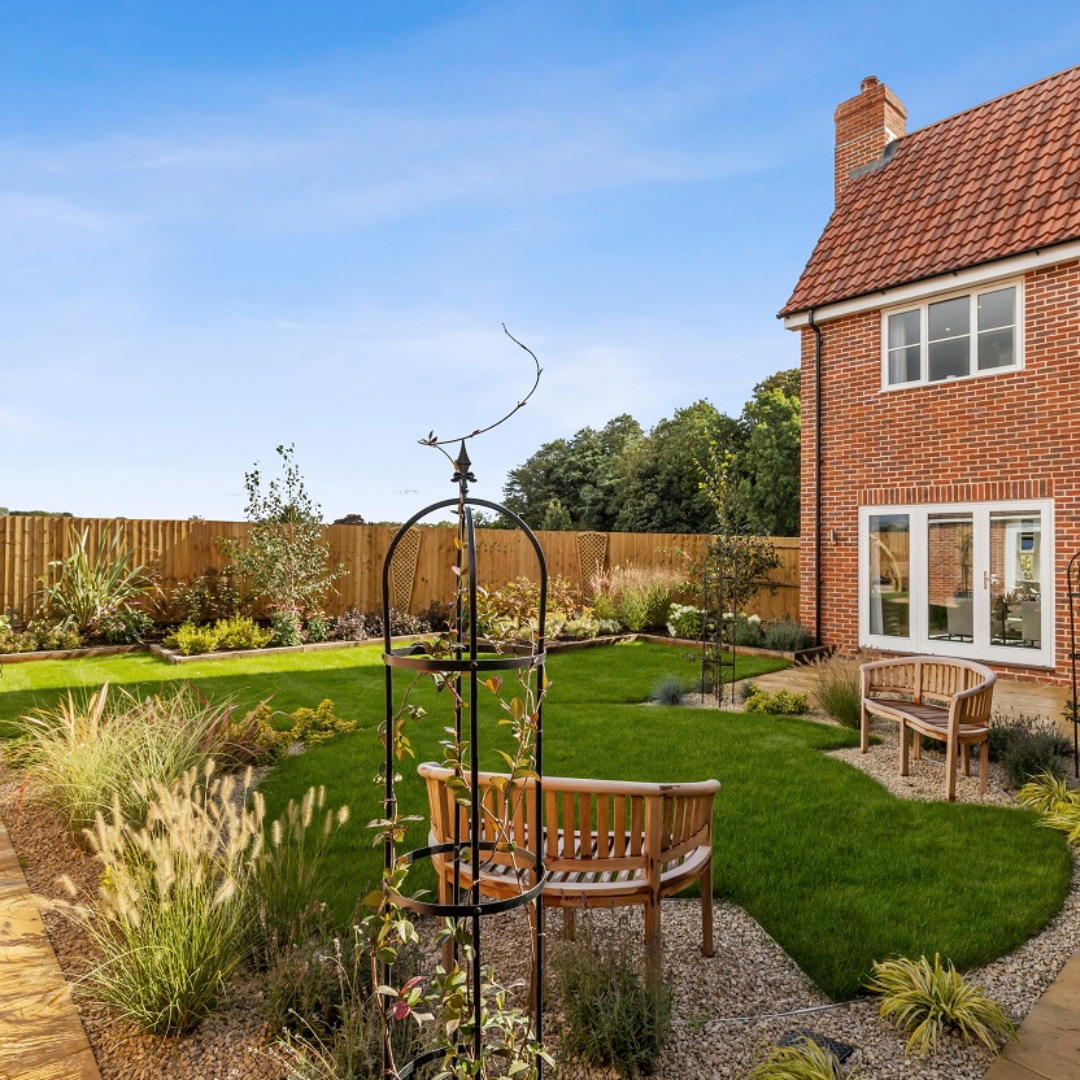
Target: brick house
column 940, row 324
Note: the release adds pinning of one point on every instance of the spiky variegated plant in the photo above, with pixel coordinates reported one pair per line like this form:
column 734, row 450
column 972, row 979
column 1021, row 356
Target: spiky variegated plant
column 1048, row 794
column 927, row 999
column 804, row 1059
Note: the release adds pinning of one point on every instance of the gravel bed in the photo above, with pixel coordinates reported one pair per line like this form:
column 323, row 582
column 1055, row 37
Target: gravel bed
column 722, row 1005
column 231, row 1046
column 926, row 778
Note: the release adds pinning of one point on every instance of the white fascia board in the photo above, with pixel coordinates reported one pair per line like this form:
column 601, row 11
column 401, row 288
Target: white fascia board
column 959, row 279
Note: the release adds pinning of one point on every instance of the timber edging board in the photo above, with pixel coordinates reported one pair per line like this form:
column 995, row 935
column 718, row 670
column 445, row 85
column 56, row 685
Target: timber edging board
column 71, row 654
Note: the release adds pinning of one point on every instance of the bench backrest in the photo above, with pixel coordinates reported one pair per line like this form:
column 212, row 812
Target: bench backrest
column 965, row 687
column 590, row 825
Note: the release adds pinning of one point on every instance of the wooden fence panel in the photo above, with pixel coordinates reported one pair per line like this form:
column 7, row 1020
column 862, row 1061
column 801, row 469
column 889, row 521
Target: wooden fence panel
column 181, row 550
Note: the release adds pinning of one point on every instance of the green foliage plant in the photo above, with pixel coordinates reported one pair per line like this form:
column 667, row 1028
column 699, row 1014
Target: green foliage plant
column 639, row 596
column 85, row 757
column 777, row 702
column 285, row 557
column 614, row 1018
column 40, row 635
column 928, row 999
column 238, row 632
column 317, row 627
column 286, row 627
column 79, row 588
column 803, row 1059
column 838, row 688
column 122, row 625
column 786, row 635
column 213, row 595
column 1031, row 753
column 747, row 630
column 173, row 916
column 241, row 632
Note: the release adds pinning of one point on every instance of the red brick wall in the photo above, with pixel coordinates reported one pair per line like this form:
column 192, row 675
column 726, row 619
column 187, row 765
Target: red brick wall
column 1010, row 436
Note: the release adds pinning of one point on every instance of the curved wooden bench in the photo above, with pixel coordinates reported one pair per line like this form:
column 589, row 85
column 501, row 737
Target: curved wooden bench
column 606, row 843
column 937, row 697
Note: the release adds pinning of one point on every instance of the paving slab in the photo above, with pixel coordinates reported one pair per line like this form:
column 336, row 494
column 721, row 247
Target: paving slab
column 41, row 1035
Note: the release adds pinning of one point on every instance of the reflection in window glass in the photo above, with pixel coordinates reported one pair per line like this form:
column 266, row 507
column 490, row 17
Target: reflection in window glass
column 890, row 580
column 949, row 606
column 1015, row 594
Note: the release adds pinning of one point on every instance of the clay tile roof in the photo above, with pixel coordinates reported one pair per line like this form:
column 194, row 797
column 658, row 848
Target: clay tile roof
column 999, row 179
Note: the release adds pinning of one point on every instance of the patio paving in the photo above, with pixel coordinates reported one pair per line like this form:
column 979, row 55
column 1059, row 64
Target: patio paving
column 41, row 1035
column 1011, row 698
column 1048, row 1047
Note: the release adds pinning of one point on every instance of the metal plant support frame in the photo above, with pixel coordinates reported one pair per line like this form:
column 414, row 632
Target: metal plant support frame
column 1073, row 580
column 468, row 904
column 720, row 584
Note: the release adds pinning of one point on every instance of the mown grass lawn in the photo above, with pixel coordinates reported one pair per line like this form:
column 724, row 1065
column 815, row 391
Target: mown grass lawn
column 835, row 868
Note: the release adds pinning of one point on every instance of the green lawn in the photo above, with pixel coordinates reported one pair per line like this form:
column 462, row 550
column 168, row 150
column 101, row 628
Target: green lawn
column 836, row 869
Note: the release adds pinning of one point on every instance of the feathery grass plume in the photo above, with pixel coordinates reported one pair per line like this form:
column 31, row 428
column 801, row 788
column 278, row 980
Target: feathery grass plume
column 86, row 753
column 804, row 1059
column 174, row 911
column 929, row 999
column 289, row 871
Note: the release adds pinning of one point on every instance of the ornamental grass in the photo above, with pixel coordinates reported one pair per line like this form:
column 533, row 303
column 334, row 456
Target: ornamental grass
column 174, row 913
column 928, row 1000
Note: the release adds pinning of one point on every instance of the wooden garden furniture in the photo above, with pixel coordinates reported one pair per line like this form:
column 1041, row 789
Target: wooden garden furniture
column 937, row 698
column 606, row 844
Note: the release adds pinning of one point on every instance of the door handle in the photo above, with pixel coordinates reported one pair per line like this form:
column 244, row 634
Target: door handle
column 986, row 579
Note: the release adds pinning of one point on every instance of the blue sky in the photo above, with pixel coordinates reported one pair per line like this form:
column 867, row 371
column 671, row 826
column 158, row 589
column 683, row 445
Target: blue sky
column 229, row 225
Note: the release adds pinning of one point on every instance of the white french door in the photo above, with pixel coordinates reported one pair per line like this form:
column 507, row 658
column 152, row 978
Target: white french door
column 972, row 580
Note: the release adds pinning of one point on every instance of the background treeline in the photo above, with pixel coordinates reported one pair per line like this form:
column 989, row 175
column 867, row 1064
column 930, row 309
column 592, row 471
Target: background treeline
column 623, row 479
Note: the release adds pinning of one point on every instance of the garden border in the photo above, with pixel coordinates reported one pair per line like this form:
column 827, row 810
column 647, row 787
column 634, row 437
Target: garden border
column 71, row 654
column 797, row 656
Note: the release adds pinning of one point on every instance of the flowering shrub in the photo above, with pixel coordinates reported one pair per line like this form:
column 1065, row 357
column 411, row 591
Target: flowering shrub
column 286, row 626
column 684, row 621
column 120, row 624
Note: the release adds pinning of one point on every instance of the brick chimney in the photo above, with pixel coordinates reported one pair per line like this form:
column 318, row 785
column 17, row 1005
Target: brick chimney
column 865, row 125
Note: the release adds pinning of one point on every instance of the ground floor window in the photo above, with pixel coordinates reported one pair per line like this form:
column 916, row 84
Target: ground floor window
column 970, row 579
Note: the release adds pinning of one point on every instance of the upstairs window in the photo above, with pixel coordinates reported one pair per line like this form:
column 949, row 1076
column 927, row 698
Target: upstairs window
column 955, row 338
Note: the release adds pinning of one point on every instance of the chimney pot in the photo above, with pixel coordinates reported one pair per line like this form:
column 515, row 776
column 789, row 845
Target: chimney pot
column 865, row 125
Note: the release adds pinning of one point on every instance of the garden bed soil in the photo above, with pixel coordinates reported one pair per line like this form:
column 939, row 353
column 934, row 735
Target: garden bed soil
column 72, row 654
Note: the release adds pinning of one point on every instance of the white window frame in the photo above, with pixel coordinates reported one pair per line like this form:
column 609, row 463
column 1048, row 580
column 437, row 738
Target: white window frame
column 973, row 347
column 918, row 639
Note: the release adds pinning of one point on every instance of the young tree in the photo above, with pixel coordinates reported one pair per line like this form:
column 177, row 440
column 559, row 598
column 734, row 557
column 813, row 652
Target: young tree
column 285, row 558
